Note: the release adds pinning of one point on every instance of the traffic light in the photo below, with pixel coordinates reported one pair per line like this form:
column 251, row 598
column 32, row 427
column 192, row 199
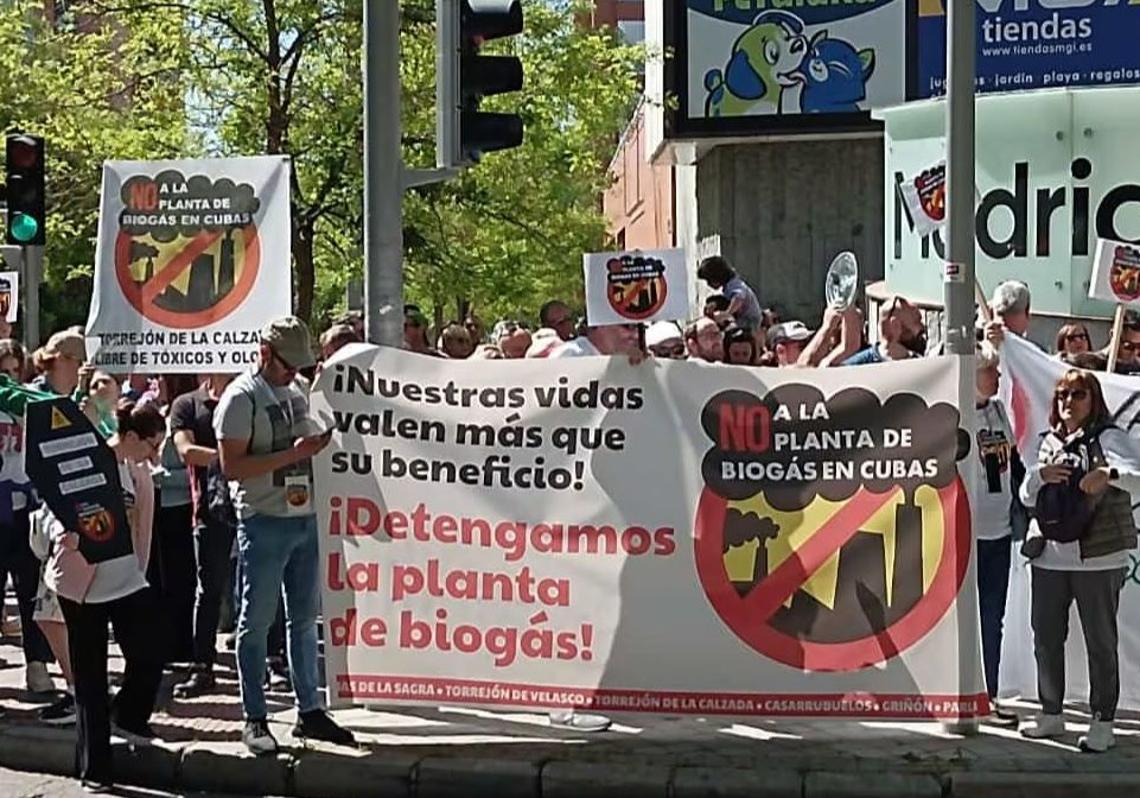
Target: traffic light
column 24, row 178
column 465, row 77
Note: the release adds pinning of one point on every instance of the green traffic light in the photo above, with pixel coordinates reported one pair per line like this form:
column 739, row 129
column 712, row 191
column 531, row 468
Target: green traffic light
column 24, row 227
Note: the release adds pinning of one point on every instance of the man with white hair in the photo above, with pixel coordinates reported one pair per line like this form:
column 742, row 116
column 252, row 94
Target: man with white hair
column 1010, row 304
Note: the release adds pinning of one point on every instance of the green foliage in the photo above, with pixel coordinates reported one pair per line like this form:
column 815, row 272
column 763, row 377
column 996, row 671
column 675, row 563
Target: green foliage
column 95, row 92
column 510, row 233
column 135, row 79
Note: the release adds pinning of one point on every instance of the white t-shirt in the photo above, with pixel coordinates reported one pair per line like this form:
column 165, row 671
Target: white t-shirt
column 992, row 458
column 579, row 347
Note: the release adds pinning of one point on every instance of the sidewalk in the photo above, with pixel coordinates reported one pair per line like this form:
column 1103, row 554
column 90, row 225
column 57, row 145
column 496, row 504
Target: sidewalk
column 429, row 752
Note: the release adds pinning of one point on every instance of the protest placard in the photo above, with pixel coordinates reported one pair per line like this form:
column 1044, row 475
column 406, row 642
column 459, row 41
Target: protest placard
column 77, row 476
column 193, row 258
column 9, row 296
column 924, row 197
column 636, row 287
column 671, row 537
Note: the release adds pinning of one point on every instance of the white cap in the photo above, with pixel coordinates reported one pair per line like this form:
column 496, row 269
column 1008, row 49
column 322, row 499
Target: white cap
column 662, row 332
column 790, row 331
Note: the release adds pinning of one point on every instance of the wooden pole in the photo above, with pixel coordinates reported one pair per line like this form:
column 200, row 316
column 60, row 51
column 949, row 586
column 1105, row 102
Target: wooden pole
column 983, row 303
column 1114, row 340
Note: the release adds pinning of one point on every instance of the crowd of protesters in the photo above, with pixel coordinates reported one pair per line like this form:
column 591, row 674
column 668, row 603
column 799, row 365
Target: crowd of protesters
column 217, row 479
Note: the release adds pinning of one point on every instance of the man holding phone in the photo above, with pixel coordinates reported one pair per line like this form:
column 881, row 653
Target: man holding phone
column 266, row 442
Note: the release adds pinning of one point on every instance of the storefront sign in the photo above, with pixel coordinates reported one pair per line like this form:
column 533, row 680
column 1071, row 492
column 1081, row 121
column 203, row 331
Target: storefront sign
column 771, row 65
column 1036, row 44
column 1055, row 172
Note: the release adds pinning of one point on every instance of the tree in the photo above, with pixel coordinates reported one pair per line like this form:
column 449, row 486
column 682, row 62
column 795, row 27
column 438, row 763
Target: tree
column 510, row 233
column 277, row 77
column 168, row 78
column 95, row 91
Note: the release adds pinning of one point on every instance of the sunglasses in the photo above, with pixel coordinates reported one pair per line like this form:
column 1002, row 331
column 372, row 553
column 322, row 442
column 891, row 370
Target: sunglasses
column 1076, row 394
column 1077, row 337
column 1129, row 346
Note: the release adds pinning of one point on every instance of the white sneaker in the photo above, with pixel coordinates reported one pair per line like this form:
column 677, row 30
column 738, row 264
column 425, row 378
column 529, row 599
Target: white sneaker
column 37, row 678
column 576, row 721
column 1099, row 739
column 1043, row 727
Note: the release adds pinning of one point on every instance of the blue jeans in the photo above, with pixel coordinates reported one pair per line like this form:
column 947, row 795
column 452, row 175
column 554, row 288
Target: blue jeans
column 276, row 553
column 993, row 585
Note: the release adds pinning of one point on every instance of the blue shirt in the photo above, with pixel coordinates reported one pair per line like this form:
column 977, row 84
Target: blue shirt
column 749, row 314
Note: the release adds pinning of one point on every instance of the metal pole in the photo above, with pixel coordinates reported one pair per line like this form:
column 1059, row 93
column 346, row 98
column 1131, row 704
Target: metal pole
column 959, row 284
column 32, row 275
column 383, row 176
column 446, row 83
column 960, row 71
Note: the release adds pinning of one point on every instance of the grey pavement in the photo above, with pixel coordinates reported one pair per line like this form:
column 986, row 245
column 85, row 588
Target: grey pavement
column 438, row 751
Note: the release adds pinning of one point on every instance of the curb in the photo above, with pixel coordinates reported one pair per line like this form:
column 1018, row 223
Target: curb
column 396, row 771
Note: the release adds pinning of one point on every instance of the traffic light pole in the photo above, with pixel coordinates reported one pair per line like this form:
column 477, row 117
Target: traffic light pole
column 33, row 258
column 383, row 176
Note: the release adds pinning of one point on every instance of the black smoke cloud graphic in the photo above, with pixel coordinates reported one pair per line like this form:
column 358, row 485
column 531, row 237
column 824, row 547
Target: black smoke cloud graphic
column 934, row 437
column 242, row 203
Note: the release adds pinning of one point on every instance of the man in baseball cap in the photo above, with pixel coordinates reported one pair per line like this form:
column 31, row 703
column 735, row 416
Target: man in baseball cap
column 789, row 340
column 266, row 442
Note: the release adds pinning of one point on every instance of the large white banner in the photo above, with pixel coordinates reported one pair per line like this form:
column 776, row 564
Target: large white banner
column 1030, row 376
column 193, row 258
column 671, row 537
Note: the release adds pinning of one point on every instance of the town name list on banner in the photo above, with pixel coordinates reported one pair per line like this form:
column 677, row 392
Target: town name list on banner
column 193, row 258
column 668, row 537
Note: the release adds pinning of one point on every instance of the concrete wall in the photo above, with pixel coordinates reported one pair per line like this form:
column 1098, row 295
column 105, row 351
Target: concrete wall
column 784, row 209
column 639, row 202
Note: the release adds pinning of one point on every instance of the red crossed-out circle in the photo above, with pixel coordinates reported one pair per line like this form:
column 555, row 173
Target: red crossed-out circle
column 748, row 615
column 142, row 297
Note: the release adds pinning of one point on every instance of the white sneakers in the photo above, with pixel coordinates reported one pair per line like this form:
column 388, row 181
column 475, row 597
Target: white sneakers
column 1099, row 739
column 577, row 721
column 1043, row 727
column 37, row 678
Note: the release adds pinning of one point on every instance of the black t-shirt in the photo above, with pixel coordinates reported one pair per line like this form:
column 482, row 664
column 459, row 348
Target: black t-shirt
column 194, row 412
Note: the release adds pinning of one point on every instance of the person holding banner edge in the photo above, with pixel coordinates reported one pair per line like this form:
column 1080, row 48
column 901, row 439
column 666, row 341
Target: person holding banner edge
column 266, row 442
column 1081, row 444
column 999, row 516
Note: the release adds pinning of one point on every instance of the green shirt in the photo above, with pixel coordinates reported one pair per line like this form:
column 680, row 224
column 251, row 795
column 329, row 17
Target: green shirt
column 15, row 397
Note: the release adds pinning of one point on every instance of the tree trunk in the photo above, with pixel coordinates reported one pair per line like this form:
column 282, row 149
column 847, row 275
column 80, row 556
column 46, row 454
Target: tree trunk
column 303, row 263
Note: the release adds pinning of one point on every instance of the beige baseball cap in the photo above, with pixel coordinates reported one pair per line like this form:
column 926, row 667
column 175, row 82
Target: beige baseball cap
column 289, row 337
column 66, row 343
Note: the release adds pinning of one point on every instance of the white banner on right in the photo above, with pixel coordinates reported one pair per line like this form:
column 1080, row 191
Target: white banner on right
column 1032, row 376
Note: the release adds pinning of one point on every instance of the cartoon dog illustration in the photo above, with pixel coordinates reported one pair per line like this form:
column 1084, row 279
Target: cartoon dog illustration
column 834, row 76
column 763, row 60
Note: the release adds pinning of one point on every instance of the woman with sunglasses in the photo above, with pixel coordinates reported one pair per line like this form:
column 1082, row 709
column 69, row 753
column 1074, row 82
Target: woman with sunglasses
column 1072, row 340
column 1081, row 443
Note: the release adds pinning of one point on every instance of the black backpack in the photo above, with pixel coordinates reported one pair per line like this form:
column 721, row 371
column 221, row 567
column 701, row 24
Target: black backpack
column 1063, row 511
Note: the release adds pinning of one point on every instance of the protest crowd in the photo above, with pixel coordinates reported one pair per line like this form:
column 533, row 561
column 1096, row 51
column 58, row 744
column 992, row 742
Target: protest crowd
column 222, row 560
